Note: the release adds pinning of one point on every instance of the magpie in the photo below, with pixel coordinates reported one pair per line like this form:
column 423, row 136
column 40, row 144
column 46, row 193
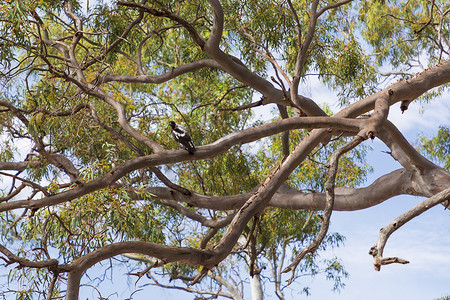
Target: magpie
column 181, row 135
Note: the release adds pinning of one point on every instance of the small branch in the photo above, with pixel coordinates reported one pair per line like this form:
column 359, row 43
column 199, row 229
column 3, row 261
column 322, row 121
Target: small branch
column 285, row 134
column 52, row 286
column 192, row 290
column 331, row 6
column 377, row 250
column 429, row 20
column 167, row 14
column 332, row 173
column 404, row 73
column 169, row 183
column 243, row 107
column 23, row 262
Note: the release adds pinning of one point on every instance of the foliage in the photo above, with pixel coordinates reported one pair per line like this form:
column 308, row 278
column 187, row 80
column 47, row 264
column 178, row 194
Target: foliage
column 438, row 147
column 98, row 94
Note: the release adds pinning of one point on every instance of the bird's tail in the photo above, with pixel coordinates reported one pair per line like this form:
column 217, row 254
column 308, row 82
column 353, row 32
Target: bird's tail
column 191, row 148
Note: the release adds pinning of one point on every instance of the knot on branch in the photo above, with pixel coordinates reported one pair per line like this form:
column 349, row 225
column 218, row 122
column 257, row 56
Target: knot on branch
column 370, row 132
column 404, row 105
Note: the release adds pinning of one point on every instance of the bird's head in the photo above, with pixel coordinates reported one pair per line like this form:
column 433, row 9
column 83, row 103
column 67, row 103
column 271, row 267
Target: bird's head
column 172, row 124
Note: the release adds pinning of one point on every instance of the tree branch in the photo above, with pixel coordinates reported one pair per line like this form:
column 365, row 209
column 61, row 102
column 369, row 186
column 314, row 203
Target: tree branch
column 332, row 173
column 173, row 73
column 377, row 250
column 346, row 199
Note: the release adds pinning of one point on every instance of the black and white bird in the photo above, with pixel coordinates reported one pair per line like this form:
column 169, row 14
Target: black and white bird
column 182, row 136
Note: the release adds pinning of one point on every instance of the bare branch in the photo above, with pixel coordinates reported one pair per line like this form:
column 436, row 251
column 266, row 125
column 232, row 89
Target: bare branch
column 377, row 250
column 167, row 14
column 333, row 5
column 23, row 262
column 379, row 116
column 346, row 199
column 332, row 172
column 173, row 73
column 402, row 150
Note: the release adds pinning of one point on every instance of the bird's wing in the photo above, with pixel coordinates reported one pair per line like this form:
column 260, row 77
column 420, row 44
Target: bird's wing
column 180, row 132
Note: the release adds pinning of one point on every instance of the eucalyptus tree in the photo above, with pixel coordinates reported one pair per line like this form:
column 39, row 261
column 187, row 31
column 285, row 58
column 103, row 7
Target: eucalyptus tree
column 90, row 170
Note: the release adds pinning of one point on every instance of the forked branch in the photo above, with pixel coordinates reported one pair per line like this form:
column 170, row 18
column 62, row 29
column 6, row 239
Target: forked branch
column 377, row 250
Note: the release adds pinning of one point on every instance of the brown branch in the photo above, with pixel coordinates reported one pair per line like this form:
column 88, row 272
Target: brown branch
column 192, row 290
column 120, row 39
column 52, row 286
column 333, row 5
column 13, row 166
column 429, row 20
column 204, row 152
column 169, row 183
column 167, row 14
column 305, row 104
column 403, row 151
column 173, row 73
column 330, row 197
column 377, row 250
column 403, row 90
column 346, row 199
column 23, row 262
column 379, row 116
column 243, row 107
column 95, row 91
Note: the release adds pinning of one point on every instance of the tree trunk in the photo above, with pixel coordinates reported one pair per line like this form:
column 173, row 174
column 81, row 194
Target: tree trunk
column 256, row 287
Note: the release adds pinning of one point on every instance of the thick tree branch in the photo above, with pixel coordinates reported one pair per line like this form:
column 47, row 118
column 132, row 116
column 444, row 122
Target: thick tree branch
column 377, row 119
column 403, row 90
column 403, row 151
column 346, row 199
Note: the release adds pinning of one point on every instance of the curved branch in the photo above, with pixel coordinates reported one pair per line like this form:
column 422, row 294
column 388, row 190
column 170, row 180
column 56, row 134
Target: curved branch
column 377, row 119
column 429, row 179
column 173, row 73
column 331, row 6
column 346, row 199
column 377, row 250
column 164, row 253
column 93, row 90
column 217, row 29
column 122, row 37
column 330, row 197
column 167, row 14
column 23, row 262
